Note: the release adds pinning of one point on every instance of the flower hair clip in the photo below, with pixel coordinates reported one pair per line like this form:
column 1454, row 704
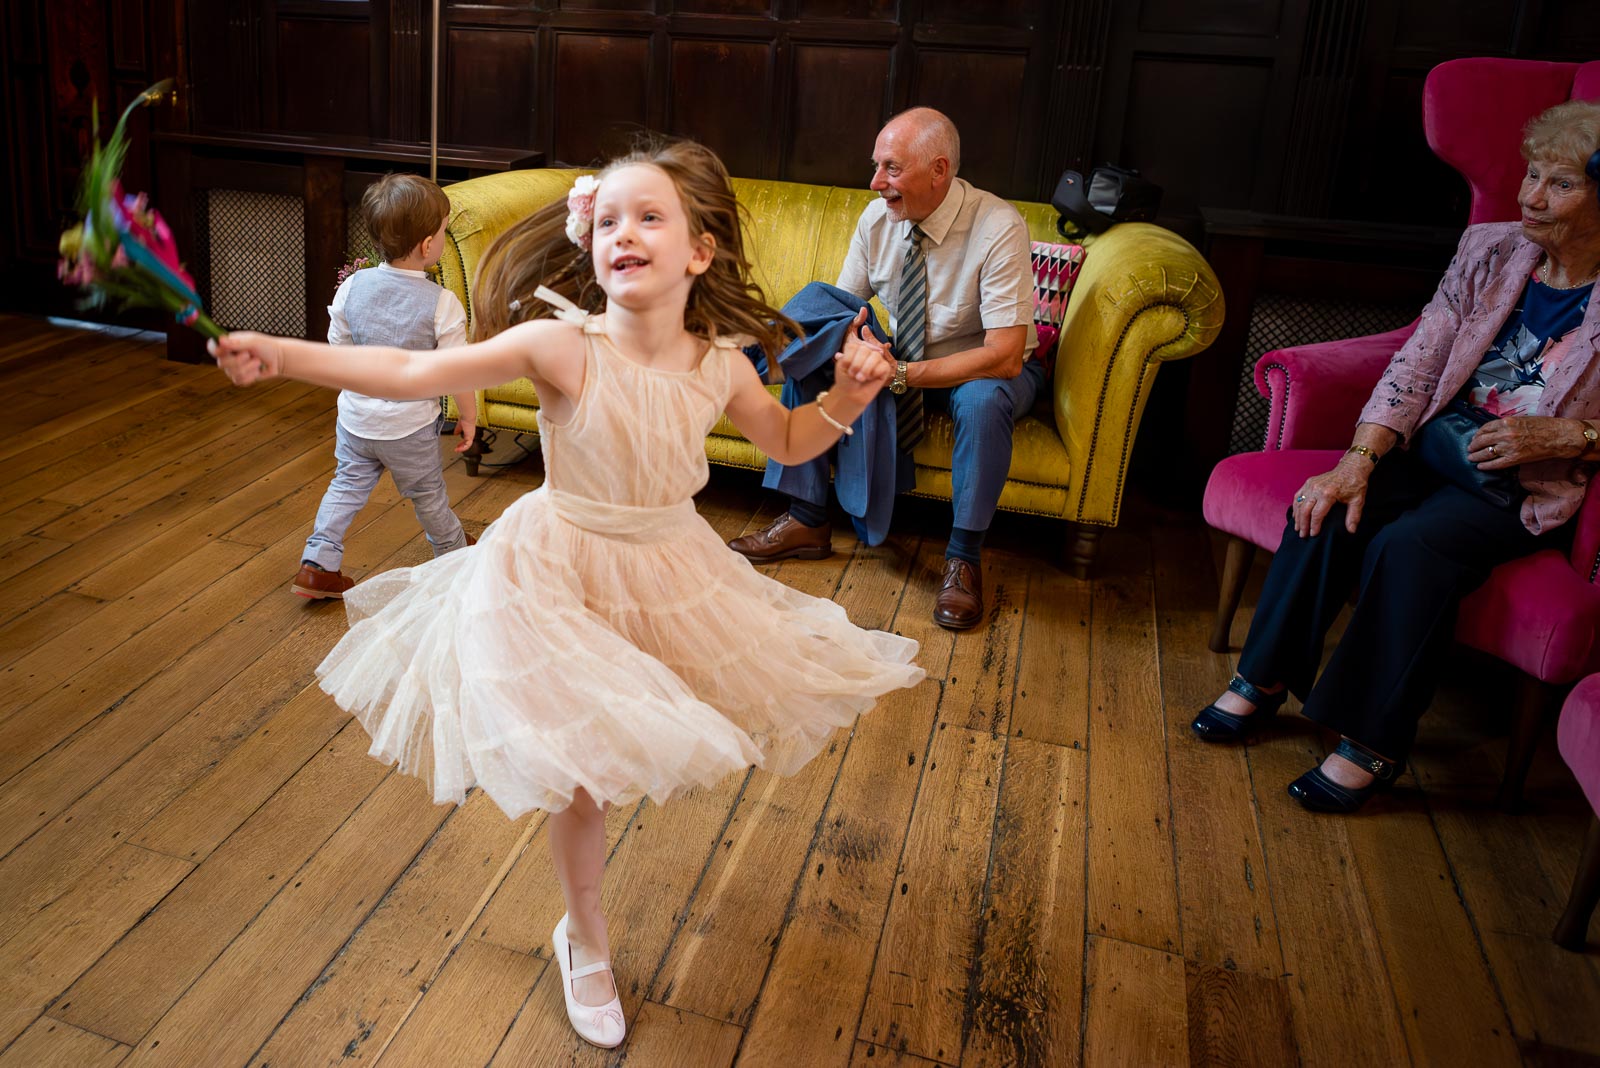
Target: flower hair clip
column 580, row 211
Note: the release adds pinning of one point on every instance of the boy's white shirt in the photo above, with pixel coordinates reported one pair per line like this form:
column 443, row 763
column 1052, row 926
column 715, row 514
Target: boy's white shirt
column 387, row 420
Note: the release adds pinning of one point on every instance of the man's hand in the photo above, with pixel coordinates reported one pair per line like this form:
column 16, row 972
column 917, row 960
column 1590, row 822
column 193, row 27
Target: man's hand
column 861, row 370
column 859, row 338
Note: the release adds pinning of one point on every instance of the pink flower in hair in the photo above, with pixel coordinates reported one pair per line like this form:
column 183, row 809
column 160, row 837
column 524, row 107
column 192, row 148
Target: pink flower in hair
column 580, row 211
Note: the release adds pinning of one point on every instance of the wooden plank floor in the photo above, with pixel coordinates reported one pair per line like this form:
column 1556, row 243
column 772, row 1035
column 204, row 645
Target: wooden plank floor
column 1024, row 861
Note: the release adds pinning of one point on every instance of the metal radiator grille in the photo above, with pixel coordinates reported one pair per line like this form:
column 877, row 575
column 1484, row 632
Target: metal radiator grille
column 1279, row 322
column 255, row 249
column 357, row 241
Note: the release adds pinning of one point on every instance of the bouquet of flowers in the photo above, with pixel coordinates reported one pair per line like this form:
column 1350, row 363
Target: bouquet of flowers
column 123, row 248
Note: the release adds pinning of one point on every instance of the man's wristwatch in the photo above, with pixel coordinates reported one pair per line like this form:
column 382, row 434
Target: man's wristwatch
column 1590, row 437
column 897, row 384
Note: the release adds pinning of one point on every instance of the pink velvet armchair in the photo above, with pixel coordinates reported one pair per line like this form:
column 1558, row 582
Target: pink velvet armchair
column 1541, row 613
column 1579, row 739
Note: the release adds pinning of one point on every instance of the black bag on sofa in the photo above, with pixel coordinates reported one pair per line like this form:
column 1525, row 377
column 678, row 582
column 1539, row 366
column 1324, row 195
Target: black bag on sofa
column 1113, row 194
column 1442, row 445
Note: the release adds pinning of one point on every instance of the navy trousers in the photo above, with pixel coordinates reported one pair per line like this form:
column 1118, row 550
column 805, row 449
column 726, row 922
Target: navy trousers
column 1420, row 547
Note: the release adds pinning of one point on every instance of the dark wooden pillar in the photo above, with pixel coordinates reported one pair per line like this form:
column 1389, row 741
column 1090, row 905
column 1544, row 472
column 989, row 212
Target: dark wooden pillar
column 325, row 237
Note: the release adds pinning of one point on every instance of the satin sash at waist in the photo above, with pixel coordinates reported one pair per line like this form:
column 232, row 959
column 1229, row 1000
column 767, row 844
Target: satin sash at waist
column 628, row 522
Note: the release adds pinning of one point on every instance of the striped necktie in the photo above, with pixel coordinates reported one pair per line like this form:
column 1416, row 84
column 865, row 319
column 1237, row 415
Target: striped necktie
column 911, row 324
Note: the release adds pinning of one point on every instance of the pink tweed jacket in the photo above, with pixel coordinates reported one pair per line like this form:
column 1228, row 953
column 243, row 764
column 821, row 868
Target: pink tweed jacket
column 1476, row 296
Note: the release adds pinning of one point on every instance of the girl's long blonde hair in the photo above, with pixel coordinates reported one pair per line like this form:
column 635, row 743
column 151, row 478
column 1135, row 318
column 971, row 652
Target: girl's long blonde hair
column 722, row 301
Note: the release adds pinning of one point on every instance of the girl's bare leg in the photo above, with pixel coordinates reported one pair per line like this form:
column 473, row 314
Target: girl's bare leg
column 578, row 850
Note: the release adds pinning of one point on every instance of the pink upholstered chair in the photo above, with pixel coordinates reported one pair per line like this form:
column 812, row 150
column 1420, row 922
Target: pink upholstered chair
column 1540, row 614
column 1579, row 739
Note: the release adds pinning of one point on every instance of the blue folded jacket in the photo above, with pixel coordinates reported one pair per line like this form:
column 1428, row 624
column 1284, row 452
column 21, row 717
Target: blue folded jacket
column 869, row 469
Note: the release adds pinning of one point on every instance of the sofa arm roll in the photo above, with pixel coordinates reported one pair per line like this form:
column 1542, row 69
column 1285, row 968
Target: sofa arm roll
column 1315, row 393
column 1145, row 297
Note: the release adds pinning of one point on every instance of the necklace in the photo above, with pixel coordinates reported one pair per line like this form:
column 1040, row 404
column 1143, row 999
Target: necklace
column 1543, row 275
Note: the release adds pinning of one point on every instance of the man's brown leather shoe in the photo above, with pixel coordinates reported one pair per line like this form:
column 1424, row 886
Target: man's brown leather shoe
column 959, row 605
column 317, row 584
column 784, row 537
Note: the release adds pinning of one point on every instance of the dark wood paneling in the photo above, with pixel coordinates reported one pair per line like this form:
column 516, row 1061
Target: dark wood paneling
column 323, row 76
column 489, row 93
column 601, row 97
column 601, row 5
column 982, row 92
column 128, row 35
column 1458, row 27
column 716, row 87
column 1076, row 84
column 226, row 68
column 1206, row 155
column 1242, row 18
column 1389, row 144
column 39, row 208
column 724, row 7
column 1300, row 106
column 1570, row 30
column 1323, row 98
column 77, row 32
column 841, row 97
column 24, row 31
column 882, row 10
column 1015, row 14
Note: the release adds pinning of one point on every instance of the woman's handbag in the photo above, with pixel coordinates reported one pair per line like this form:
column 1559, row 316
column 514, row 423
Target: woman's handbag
column 1442, row 444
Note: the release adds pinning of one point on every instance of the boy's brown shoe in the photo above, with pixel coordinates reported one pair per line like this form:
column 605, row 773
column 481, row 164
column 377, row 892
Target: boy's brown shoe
column 317, row 584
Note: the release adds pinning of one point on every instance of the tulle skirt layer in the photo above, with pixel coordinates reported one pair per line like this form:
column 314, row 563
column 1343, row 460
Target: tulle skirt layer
column 626, row 661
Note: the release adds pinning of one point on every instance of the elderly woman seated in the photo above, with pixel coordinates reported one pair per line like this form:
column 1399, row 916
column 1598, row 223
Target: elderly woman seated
column 1474, row 449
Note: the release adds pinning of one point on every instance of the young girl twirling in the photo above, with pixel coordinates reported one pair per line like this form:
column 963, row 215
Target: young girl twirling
column 600, row 642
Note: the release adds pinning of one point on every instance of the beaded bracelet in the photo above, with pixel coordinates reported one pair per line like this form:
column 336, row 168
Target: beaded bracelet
column 830, row 419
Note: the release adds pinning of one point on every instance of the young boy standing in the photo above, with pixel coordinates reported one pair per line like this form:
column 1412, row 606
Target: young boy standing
column 395, row 304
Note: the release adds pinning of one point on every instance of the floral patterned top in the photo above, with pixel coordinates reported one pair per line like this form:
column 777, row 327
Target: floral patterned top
column 1479, row 293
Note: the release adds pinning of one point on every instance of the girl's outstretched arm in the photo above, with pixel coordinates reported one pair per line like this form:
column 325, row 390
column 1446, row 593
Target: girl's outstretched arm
column 804, row 433
column 546, row 350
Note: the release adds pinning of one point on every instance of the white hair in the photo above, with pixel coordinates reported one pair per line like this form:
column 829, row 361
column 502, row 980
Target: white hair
column 934, row 135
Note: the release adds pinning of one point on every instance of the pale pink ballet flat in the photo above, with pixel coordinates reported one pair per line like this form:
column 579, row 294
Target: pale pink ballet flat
column 599, row 1025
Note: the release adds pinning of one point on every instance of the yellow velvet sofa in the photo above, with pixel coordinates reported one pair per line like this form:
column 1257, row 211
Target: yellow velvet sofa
column 1145, row 296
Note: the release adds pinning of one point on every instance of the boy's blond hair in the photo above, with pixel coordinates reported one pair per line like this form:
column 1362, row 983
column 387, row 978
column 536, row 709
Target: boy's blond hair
column 402, row 211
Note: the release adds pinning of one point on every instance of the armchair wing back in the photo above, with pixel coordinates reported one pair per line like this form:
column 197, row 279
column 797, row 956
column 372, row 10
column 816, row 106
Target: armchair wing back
column 1473, row 111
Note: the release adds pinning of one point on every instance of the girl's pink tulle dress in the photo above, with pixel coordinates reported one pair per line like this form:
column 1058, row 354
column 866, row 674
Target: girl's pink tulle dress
column 600, row 634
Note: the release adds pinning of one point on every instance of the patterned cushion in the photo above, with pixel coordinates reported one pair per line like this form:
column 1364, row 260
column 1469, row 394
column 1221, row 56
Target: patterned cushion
column 1055, row 269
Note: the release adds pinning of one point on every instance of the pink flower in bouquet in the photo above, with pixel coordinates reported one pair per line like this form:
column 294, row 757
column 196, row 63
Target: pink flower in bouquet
column 148, row 241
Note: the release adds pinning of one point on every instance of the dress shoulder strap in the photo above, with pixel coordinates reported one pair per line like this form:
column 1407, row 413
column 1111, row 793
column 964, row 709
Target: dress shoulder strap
column 567, row 311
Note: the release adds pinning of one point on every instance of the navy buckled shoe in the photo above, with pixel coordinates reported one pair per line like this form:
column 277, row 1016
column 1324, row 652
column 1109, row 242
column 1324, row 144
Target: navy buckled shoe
column 1319, row 793
column 1215, row 725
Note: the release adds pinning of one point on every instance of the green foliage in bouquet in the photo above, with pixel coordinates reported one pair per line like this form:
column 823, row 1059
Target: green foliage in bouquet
column 123, row 250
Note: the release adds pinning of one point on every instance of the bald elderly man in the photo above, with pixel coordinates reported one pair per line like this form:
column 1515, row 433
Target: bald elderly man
column 951, row 264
